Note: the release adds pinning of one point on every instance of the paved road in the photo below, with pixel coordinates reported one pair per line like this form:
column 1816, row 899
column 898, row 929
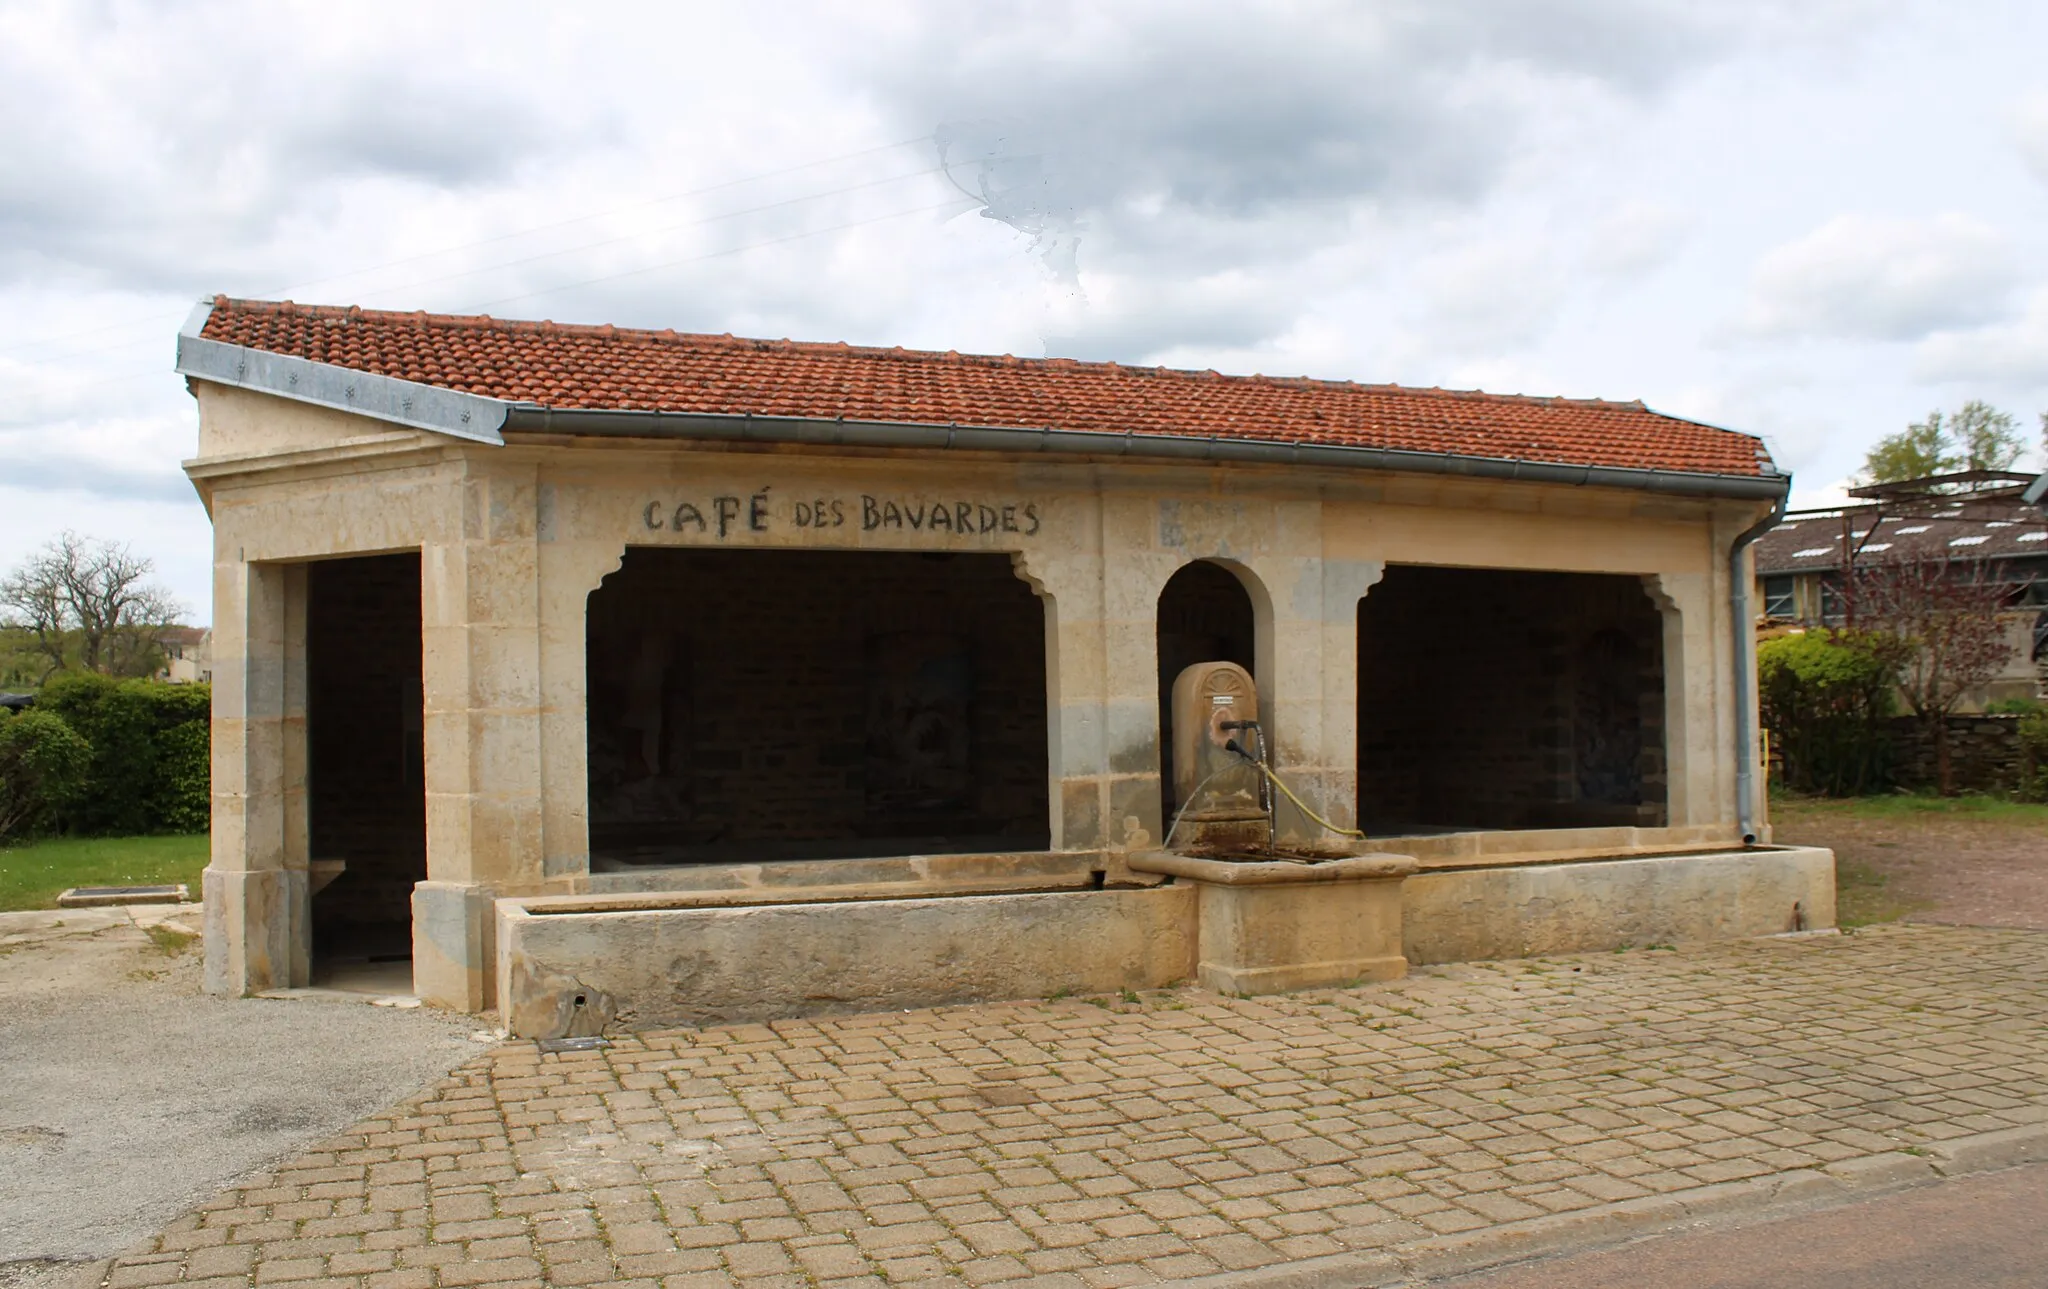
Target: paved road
column 1986, row 1232
column 126, row 1096
column 1081, row 1144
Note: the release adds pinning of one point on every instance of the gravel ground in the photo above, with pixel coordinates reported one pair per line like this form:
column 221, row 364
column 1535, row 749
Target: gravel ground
column 1949, row 869
column 129, row 1096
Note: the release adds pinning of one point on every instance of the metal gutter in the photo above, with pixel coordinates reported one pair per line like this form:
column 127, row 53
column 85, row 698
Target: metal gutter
column 386, row 398
column 484, row 420
column 1745, row 669
column 838, row 432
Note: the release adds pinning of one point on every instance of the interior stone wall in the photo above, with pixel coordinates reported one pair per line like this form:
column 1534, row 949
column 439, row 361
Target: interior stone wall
column 796, row 704
column 1205, row 615
column 1495, row 699
column 365, row 784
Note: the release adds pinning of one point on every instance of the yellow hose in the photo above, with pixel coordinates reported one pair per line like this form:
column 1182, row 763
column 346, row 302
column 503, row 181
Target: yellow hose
column 1301, row 805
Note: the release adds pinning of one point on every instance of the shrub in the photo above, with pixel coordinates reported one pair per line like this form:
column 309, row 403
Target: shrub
column 2034, row 753
column 150, row 752
column 44, row 769
column 184, row 795
column 1825, row 698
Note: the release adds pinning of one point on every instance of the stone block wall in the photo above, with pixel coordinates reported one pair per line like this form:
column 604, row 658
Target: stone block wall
column 366, row 790
column 745, row 702
column 1985, row 754
column 1493, row 699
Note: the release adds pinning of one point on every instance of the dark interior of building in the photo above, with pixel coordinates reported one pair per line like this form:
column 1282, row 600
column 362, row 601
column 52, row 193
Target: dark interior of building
column 366, row 797
column 764, row 705
column 1493, row 699
column 1205, row 615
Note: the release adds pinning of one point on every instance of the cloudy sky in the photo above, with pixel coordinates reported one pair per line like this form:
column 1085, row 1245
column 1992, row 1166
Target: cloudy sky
column 1814, row 220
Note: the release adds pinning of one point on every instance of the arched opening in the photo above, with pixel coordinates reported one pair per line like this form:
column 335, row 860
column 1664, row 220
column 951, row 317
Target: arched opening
column 1493, row 699
column 752, row 705
column 1205, row 615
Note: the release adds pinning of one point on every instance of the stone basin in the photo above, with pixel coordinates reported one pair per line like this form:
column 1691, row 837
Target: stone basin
column 1269, row 925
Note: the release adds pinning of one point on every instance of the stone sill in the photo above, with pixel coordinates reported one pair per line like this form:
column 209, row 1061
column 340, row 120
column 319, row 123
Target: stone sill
column 1253, row 872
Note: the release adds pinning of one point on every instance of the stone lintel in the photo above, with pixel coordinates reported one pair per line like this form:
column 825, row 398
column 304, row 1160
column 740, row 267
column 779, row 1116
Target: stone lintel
column 1230, row 872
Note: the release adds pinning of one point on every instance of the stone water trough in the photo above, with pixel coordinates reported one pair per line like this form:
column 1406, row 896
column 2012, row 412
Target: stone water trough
column 719, row 943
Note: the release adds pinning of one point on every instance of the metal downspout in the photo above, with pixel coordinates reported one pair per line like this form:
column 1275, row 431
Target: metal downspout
column 1745, row 667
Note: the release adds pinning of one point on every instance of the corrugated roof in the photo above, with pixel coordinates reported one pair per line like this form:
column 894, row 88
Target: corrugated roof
column 607, row 368
column 1811, row 541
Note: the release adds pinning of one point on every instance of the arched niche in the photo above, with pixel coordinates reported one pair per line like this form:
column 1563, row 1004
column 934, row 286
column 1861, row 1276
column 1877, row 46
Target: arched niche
column 1207, row 612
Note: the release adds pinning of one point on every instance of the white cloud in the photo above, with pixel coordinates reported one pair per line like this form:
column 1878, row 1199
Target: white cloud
column 1490, row 296
column 1638, row 238
column 1875, row 278
column 2011, row 350
column 2030, row 132
column 1459, row 192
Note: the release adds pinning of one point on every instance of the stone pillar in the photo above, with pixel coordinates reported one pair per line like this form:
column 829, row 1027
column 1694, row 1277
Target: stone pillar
column 257, row 933
column 570, row 568
column 481, row 693
column 1308, row 681
column 1070, row 589
column 1131, row 706
column 1693, row 689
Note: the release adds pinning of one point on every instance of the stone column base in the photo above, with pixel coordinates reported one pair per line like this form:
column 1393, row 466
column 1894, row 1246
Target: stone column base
column 256, row 930
column 1270, row 927
column 1225, row 979
column 454, row 947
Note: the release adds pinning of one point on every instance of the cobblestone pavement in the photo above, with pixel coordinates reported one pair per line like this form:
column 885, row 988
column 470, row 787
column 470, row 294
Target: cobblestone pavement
column 1107, row 1142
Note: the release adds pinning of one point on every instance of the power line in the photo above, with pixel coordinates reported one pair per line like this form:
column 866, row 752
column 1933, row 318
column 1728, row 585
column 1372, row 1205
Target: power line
column 138, row 373
column 547, row 255
column 735, row 250
column 669, row 228
column 605, row 214
column 487, row 241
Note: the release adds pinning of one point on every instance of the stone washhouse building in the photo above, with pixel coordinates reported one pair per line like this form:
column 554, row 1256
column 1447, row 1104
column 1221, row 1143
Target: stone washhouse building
column 594, row 674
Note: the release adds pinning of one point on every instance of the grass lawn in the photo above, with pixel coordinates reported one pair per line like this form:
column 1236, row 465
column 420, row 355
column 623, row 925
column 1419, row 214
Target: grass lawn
column 1975, row 860
column 1866, row 896
column 1901, row 808
column 32, row 876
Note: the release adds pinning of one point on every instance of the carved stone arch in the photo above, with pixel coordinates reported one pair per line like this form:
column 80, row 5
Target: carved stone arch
column 1210, row 609
column 569, row 573
column 1679, row 664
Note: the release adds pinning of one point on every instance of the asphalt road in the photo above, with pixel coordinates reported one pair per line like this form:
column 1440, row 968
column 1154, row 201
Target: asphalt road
column 1987, row 1232
column 126, row 1096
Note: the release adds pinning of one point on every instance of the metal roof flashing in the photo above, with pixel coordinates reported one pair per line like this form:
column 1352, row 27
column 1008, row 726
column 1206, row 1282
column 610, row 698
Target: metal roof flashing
column 383, row 398
column 2037, row 491
column 482, row 419
column 840, row 432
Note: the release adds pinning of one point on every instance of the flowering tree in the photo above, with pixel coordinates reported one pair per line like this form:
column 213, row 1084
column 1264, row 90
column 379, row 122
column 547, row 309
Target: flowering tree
column 1948, row 622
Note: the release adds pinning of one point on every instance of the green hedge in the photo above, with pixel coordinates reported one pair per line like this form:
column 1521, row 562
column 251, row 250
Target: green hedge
column 44, row 768
column 151, row 753
column 1825, row 697
column 2034, row 746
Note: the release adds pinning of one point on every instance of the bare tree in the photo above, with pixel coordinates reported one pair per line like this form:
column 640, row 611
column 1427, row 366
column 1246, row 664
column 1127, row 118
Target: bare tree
column 1948, row 619
column 94, row 596
column 33, row 600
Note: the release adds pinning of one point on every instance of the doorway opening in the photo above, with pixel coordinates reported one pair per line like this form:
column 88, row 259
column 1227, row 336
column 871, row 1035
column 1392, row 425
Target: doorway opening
column 746, row 706
column 1496, row 699
column 1205, row 615
column 365, row 783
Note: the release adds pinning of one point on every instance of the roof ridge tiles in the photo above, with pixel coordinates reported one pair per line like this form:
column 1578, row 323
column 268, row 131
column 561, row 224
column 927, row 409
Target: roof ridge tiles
column 612, row 331
column 610, row 367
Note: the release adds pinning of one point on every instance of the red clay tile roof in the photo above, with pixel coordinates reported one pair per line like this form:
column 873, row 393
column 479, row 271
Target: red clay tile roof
column 617, row 369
